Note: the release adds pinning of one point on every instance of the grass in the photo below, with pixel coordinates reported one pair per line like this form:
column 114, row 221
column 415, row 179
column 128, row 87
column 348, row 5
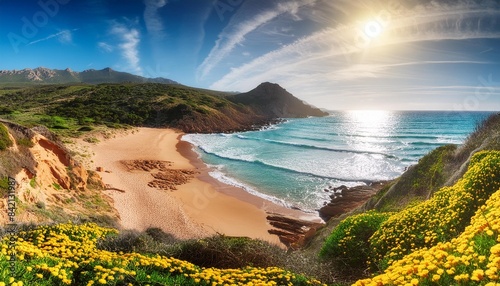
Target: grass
column 419, row 181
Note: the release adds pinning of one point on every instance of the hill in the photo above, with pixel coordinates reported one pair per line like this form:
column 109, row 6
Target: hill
column 273, row 101
column 68, row 108
column 42, row 75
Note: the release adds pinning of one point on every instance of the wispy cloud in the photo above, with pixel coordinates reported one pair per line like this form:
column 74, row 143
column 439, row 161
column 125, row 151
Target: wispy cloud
column 324, row 61
column 64, row 37
column 105, row 47
column 129, row 46
column 235, row 34
column 152, row 19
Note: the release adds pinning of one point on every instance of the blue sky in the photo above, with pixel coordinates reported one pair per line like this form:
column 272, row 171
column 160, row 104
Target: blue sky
column 343, row 54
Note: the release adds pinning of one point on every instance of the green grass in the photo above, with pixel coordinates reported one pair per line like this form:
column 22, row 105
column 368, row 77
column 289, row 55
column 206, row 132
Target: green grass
column 418, row 182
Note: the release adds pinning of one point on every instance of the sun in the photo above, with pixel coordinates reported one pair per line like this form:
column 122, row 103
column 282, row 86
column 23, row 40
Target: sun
column 373, row 29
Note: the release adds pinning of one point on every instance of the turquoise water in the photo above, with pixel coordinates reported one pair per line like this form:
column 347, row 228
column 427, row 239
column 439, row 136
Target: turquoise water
column 291, row 163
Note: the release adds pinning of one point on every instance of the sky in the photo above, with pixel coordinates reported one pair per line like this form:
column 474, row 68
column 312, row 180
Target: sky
column 333, row 54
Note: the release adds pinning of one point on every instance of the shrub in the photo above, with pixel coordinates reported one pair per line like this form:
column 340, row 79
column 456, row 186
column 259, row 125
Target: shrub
column 229, row 252
column 5, row 141
column 85, row 128
column 26, row 142
column 347, row 246
column 131, row 241
column 159, row 235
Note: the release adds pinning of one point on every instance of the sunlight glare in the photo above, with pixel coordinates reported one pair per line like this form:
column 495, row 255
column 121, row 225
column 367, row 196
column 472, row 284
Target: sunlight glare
column 373, row 29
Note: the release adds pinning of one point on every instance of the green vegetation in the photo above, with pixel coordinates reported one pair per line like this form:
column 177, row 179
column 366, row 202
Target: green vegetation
column 419, row 181
column 347, row 246
column 441, row 218
column 5, row 141
column 33, row 183
column 443, row 166
column 67, row 254
column 74, row 109
column 407, row 241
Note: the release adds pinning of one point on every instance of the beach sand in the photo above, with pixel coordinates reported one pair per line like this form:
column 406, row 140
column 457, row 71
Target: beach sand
column 199, row 208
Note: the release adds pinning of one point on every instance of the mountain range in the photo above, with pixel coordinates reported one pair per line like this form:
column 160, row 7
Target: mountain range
column 43, row 75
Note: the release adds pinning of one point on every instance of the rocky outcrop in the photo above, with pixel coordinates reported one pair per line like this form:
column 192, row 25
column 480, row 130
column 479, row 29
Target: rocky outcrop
column 51, row 185
column 344, row 199
column 292, row 232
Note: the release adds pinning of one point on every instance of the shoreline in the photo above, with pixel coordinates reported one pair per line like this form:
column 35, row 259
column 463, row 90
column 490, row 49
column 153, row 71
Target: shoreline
column 186, row 150
column 199, row 208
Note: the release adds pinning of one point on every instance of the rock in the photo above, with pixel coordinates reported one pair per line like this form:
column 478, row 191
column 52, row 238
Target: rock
column 294, row 233
column 341, row 188
column 347, row 199
column 166, row 178
column 99, row 169
column 95, row 180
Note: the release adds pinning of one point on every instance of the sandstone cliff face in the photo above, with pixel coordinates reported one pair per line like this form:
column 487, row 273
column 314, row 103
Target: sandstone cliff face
column 51, row 186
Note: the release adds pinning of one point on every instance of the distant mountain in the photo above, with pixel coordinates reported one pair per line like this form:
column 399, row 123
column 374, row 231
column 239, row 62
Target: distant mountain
column 54, row 76
column 273, row 101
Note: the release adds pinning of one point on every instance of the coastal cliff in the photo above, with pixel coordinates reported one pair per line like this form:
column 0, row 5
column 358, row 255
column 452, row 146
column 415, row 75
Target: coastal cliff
column 51, row 185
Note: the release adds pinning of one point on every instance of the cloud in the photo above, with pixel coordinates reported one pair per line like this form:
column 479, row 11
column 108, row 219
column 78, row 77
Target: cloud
column 64, row 37
column 152, row 19
column 129, row 46
column 234, row 34
column 105, row 47
column 328, row 58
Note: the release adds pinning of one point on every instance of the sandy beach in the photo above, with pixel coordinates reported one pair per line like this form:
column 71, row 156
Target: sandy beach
column 201, row 207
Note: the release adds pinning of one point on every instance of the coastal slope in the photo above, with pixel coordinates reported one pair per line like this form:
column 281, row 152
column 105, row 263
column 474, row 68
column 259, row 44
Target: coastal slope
column 51, row 185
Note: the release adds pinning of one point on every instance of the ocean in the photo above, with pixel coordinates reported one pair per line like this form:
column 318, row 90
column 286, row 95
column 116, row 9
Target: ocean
column 291, row 163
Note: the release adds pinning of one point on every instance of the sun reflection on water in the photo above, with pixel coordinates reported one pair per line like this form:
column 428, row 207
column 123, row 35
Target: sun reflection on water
column 369, row 128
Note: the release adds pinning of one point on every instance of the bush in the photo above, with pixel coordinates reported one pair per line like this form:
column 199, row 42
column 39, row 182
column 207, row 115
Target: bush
column 85, row 129
column 229, row 252
column 131, row 241
column 347, row 246
column 157, row 234
column 5, row 141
